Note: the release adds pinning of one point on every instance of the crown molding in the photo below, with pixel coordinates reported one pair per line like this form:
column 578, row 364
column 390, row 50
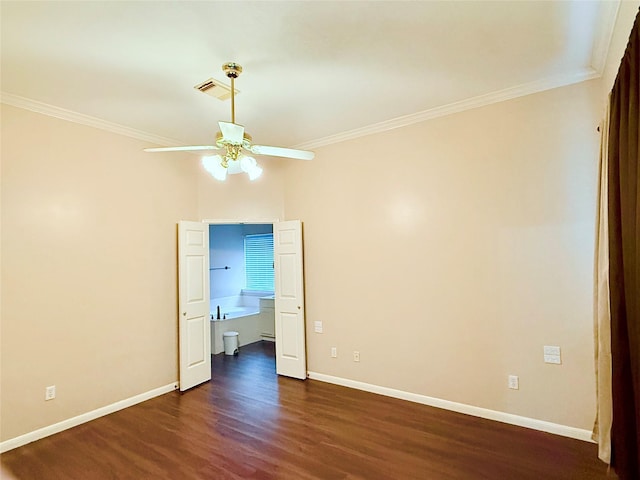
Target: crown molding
column 457, row 107
column 71, row 116
column 403, row 121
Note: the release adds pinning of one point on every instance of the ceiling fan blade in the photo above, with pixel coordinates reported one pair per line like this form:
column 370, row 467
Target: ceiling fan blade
column 187, row 148
column 232, row 132
column 282, row 152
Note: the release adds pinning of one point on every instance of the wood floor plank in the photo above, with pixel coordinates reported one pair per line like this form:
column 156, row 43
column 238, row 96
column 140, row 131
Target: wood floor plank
column 248, row 423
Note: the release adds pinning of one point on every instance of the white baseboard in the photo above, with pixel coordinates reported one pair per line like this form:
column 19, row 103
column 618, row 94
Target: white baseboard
column 85, row 417
column 503, row 417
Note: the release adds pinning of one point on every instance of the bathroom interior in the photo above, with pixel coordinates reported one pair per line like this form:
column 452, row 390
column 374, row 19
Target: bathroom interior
column 241, row 282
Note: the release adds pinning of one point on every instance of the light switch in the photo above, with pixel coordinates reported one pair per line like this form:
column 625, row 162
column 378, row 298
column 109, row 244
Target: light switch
column 552, row 359
column 552, row 354
column 317, row 326
column 551, row 350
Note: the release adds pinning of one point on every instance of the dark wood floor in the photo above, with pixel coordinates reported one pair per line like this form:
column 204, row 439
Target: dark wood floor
column 249, row 423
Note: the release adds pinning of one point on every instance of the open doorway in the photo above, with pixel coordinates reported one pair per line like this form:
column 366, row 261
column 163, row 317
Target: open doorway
column 241, row 277
column 195, row 314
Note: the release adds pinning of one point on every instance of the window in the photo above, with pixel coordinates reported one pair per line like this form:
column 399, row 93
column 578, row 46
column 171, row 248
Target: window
column 258, row 258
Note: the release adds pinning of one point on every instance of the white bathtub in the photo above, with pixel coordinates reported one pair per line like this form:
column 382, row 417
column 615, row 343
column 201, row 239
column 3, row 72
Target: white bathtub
column 232, row 312
column 252, row 317
column 234, row 306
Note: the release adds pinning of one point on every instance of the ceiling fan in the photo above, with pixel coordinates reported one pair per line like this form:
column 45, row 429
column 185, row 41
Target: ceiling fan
column 235, row 142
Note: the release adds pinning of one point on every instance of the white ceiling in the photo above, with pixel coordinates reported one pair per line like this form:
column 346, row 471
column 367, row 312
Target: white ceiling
column 312, row 70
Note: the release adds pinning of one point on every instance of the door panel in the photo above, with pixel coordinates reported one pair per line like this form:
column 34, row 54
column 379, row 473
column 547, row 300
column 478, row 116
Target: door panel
column 290, row 334
column 193, row 298
column 291, row 359
column 195, row 285
column 287, row 280
column 195, row 346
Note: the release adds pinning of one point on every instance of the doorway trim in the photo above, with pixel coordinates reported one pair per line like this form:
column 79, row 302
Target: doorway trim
column 253, row 221
column 298, row 311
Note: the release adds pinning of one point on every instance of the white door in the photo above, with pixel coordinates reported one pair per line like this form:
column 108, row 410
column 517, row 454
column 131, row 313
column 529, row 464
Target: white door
column 291, row 357
column 193, row 301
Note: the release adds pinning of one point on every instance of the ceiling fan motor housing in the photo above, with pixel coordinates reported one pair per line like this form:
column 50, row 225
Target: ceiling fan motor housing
column 232, row 70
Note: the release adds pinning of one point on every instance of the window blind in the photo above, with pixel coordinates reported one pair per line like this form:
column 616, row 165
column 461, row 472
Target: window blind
column 258, row 257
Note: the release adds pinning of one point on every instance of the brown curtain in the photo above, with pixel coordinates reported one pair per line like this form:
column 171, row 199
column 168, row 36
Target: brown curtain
column 624, row 260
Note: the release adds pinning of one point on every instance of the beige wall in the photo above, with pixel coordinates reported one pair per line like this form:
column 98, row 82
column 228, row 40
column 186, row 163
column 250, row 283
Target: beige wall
column 89, row 262
column 88, row 268
column 449, row 252
column 240, row 199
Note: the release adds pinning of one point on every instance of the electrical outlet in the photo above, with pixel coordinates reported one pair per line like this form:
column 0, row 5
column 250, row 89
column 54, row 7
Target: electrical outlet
column 356, row 356
column 334, row 352
column 317, row 326
column 514, row 383
column 50, row 393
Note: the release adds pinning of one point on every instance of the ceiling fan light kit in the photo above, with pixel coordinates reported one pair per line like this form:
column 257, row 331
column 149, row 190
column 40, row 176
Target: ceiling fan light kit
column 235, row 141
column 213, row 165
